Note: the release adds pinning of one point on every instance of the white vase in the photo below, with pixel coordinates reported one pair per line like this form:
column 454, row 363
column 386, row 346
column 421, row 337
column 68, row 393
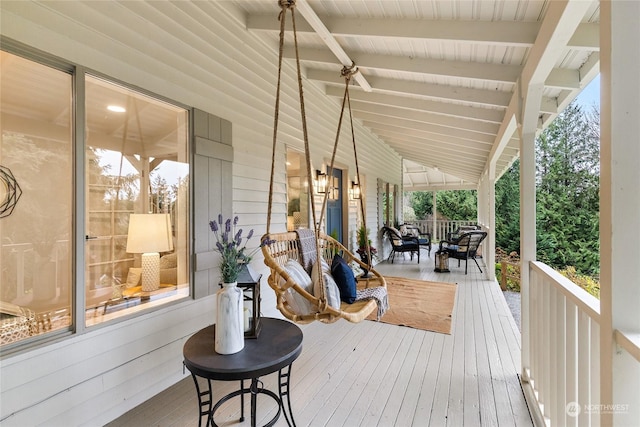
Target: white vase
column 229, row 319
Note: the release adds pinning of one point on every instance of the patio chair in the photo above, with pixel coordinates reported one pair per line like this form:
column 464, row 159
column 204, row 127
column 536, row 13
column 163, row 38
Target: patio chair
column 424, row 239
column 453, row 236
column 400, row 244
column 466, row 247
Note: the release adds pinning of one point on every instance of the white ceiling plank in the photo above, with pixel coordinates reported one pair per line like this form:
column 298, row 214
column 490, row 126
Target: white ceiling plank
column 435, row 129
column 436, row 137
column 475, row 113
column 426, row 117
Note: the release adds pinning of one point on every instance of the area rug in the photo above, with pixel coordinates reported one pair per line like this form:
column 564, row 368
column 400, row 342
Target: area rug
column 419, row 304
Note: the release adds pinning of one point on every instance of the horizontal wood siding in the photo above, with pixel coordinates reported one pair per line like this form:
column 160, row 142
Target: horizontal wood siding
column 93, row 378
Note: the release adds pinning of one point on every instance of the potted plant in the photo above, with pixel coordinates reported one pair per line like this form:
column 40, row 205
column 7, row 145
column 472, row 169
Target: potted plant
column 365, row 250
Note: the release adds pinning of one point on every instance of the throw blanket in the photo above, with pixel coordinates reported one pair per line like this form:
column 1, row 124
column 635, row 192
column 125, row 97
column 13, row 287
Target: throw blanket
column 379, row 294
column 307, row 239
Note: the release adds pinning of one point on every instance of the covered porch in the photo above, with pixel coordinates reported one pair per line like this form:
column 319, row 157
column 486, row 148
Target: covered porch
column 379, row 374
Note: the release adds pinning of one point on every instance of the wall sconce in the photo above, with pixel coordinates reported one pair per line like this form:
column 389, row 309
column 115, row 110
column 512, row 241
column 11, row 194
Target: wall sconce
column 355, row 191
column 321, row 182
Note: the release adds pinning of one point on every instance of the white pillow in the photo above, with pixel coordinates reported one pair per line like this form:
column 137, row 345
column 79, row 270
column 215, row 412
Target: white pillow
column 133, row 277
column 330, row 287
column 299, row 304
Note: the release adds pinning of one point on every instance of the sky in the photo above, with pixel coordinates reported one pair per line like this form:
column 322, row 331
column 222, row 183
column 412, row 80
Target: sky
column 590, row 95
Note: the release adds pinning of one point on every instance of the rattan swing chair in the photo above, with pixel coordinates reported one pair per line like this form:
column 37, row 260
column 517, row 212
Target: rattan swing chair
column 283, row 247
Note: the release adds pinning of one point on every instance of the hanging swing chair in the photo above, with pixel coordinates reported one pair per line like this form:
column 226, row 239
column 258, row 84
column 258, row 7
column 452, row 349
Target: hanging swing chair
column 281, row 249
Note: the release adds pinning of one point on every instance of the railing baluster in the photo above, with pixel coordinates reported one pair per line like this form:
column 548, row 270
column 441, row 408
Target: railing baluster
column 560, row 399
column 584, row 370
column 545, row 387
column 572, row 365
column 594, row 374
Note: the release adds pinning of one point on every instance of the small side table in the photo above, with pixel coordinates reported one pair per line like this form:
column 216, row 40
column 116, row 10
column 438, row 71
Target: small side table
column 279, row 344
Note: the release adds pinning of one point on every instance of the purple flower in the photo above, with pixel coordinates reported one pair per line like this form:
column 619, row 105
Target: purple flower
column 232, row 246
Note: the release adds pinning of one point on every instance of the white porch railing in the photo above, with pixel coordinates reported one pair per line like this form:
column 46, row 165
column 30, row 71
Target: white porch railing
column 443, row 227
column 564, row 376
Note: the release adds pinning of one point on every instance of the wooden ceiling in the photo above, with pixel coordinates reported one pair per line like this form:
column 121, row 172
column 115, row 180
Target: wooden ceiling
column 441, row 81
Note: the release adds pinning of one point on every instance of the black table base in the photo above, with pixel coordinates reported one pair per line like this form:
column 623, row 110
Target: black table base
column 208, row 409
column 274, row 351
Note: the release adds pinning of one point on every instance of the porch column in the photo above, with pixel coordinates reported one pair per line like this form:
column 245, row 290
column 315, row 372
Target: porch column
column 435, row 219
column 527, row 125
column 619, row 207
column 489, row 252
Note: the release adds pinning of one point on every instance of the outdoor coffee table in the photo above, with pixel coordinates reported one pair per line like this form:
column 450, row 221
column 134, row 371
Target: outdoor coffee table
column 279, row 344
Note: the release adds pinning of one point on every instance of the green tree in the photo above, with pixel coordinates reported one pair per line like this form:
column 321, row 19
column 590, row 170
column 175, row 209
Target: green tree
column 508, row 209
column 568, row 192
column 458, row 204
column 422, row 203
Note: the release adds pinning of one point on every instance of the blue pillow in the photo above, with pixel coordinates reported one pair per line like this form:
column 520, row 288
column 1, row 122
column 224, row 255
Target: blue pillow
column 346, row 281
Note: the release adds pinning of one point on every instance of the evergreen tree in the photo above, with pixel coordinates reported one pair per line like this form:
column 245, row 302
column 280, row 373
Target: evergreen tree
column 568, row 192
column 458, row 204
column 422, row 203
column 508, row 209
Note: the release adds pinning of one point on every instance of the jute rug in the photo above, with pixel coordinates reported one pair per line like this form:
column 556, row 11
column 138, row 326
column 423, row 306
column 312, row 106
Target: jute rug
column 419, row 304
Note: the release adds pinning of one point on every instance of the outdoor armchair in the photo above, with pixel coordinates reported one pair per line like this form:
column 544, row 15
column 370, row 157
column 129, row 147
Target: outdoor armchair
column 466, row 247
column 424, row 239
column 400, row 244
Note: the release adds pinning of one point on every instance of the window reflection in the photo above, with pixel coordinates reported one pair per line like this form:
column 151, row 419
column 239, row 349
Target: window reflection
column 36, row 150
column 297, row 191
column 136, row 154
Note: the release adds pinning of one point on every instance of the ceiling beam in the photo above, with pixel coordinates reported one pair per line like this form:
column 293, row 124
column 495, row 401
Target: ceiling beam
column 380, row 84
column 500, row 73
column 514, row 33
column 510, row 33
column 318, row 26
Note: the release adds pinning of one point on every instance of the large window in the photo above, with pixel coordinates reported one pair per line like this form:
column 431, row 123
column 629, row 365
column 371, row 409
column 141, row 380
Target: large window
column 135, row 162
column 36, row 187
column 297, row 191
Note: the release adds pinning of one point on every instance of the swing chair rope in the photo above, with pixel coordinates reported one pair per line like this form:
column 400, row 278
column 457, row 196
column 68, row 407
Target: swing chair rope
column 290, row 5
column 286, row 245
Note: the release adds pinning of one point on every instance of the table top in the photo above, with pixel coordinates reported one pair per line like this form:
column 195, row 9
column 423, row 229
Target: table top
column 279, row 344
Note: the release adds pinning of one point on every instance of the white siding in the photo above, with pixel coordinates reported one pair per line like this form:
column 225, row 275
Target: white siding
column 93, row 378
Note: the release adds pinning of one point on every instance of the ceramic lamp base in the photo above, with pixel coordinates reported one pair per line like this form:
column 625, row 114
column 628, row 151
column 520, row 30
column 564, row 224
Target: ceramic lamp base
column 150, row 271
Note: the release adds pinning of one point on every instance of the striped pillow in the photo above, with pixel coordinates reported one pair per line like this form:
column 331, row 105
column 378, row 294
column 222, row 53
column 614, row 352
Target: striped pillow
column 330, row 287
column 299, row 304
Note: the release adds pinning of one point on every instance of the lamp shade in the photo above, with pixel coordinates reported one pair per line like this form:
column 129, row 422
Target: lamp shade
column 149, row 233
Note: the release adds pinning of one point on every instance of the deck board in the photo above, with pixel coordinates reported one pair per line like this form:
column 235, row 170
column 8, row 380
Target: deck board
column 373, row 373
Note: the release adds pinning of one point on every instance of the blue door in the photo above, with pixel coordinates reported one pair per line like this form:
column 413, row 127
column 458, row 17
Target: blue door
column 334, row 207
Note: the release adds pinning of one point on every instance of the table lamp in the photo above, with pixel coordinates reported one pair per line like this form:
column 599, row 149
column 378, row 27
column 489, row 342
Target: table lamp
column 149, row 234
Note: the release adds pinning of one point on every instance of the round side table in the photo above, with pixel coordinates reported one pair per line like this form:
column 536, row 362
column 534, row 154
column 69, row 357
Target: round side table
column 279, row 344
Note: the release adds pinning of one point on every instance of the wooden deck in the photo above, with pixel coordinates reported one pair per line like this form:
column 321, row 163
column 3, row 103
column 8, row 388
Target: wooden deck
column 374, row 374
